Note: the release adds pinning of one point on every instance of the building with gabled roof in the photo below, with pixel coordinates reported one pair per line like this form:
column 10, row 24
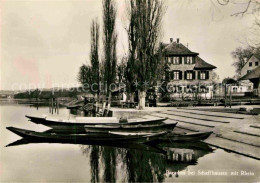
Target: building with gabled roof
column 186, row 71
column 251, row 72
column 251, row 64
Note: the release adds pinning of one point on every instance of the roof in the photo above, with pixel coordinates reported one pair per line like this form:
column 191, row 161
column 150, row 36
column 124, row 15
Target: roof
column 257, row 56
column 177, row 49
column 255, row 73
column 254, row 55
column 201, row 64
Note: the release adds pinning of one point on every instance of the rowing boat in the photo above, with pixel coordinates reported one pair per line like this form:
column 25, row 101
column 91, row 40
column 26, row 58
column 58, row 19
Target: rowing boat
column 130, row 128
column 191, row 137
column 78, row 123
column 173, row 137
column 90, row 137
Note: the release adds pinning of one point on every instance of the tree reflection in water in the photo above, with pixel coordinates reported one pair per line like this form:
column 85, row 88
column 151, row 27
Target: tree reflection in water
column 142, row 166
column 94, row 162
column 136, row 162
column 109, row 161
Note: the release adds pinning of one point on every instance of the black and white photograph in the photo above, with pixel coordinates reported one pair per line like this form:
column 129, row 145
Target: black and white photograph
column 130, row 91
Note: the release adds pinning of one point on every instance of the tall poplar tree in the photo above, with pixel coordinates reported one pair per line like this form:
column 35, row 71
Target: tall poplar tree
column 110, row 42
column 144, row 32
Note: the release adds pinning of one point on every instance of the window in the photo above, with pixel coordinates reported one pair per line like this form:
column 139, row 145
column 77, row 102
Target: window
column 166, row 59
column 189, row 60
column 176, row 75
column 189, row 75
column 171, row 60
column 234, row 90
column 256, row 63
column 175, row 60
column 183, row 59
column 203, row 75
column 250, row 64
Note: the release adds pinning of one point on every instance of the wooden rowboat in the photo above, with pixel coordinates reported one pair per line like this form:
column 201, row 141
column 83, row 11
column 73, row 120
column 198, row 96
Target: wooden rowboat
column 130, row 128
column 90, row 137
column 174, row 137
column 77, row 124
column 191, row 137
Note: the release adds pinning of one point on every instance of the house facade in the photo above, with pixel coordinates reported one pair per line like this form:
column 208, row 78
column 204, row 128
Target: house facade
column 250, row 74
column 187, row 74
column 251, row 64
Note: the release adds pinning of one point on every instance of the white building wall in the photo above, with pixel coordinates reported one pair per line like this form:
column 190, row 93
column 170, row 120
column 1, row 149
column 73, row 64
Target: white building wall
column 253, row 60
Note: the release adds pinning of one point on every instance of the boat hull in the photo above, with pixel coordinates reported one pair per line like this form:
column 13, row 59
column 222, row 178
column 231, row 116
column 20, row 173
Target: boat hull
column 91, row 137
column 128, row 128
column 79, row 127
column 192, row 137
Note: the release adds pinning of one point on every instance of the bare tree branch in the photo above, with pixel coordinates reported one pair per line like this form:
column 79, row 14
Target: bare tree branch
column 225, row 2
column 243, row 12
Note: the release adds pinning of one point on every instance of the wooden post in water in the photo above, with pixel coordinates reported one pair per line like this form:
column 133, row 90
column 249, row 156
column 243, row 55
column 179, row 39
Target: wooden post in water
column 58, row 106
column 55, row 105
column 225, row 95
column 230, row 97
column 52, row 105
column 49, row 106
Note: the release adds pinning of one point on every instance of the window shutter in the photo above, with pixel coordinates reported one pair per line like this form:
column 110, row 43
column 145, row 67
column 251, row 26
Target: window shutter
column 185, row 75
column 193, row 60
column 207, row 74
column 185, row 60
column 198, row 74
column 193, row 74
column 180, row 60
column 166, row 75
column 180, row 75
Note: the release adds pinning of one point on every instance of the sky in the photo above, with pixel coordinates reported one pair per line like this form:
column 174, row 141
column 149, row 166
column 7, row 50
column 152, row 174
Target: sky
column 43, row 43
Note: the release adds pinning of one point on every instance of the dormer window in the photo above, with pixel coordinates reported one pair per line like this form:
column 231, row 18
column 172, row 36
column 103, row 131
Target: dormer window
column 256, row 63
column 250, row 64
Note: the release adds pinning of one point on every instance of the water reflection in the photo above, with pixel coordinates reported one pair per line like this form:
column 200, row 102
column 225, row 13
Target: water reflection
column 139, row 162
column 144, row 166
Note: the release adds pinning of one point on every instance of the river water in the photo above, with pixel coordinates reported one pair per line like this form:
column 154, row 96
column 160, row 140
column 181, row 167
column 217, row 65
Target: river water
column 56, row 162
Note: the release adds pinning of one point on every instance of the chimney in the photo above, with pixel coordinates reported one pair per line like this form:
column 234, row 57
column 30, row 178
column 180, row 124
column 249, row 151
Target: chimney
column 178, row 40
column 171, row 40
